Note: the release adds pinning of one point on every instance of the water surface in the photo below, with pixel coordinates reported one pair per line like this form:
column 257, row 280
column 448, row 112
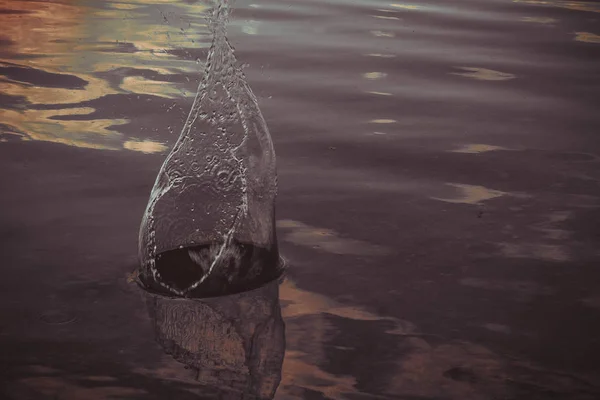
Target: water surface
column 439, row 189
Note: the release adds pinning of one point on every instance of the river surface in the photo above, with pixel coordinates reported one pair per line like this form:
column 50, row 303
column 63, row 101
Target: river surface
column 439, row 185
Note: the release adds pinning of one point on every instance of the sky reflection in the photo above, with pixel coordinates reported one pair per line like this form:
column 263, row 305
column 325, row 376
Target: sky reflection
column 61, row 57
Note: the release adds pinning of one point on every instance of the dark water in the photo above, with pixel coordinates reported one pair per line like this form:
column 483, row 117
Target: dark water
column 247, row 268
column 439, row 191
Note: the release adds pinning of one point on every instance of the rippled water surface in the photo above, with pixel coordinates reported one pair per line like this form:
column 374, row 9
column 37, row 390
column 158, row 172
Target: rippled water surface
column 439, row 169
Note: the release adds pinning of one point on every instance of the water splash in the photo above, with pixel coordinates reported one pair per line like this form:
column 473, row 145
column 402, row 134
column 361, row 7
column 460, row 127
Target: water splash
column 217, row 186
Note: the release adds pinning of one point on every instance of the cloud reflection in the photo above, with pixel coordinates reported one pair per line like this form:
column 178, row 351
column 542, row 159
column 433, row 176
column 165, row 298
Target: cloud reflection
column 571, row 5
column 406, row 6
column 471, row 194
column 139, row 85
column 478, row 148
column 382, row 34
column 55, row 126
column 383, row 121
column 374, row 75
column 64, row 54
column 539, row 20
column 380, row 55
column 483, row 74
column 587, row 37
column 145, row 146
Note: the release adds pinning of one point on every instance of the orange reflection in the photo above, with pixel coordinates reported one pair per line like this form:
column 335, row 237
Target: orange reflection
column 145, row 146
column 571, row 5
column 72, row 41
column 40, row 125
column 587, row 37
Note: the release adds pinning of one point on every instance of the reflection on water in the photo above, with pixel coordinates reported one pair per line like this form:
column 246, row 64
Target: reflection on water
column 144, row 146
column 424, row 103
column 539, row 20
column 405, row 6
column 326, row 240
column 471, row 194
column 483, row 74
column 478, row 148
column 374, row 75
column 383, row 121
column 587, row 37
column 571, row 5
column 61, row 58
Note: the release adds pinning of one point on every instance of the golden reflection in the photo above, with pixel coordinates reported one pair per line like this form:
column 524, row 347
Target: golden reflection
column 374, row 75
column 471, row 194
column 420, row 371
column 74, row 42
column 539, row 20
column 306, row 349
column 483, row 74
column 41, row 28
column 587, row 37
column 139, row 85
column 160, row 62
column 383, row 121
column 145, row 146
column 124, row 6
column 95, row 88
column 406, row 6
column 478, row 148
column 571, row 5
column 42, row 125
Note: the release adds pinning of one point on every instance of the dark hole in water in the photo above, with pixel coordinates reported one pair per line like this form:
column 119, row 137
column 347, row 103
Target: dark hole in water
column 243, row 267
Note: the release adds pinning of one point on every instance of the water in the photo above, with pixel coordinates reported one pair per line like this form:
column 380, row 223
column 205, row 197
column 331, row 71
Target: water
column 241, row 267
column 438, row 176
column 219, row 180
